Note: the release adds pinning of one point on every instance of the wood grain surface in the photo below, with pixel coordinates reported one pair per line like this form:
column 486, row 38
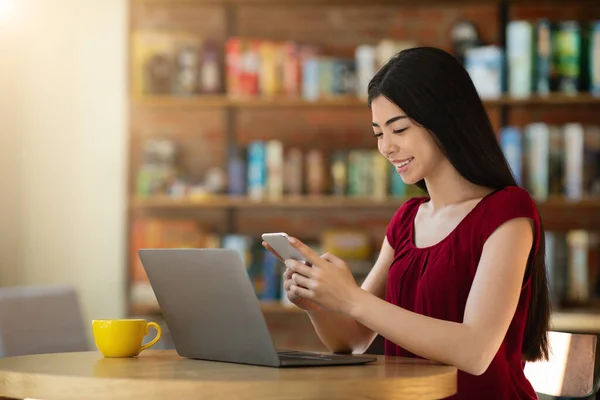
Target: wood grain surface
column 162, row 374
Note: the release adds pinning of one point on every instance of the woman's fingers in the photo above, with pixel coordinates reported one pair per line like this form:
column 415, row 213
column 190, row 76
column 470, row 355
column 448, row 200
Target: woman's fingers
column 293, row 278
column 309, row 254
column 299, row 267
column 301, row 292
column 333, row 259
column 300, row 280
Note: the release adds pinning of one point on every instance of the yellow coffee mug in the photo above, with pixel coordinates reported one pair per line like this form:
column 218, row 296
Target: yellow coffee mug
column 123, row 337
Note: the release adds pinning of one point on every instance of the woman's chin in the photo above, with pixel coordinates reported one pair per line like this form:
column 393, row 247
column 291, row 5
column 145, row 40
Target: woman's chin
column 408, row 179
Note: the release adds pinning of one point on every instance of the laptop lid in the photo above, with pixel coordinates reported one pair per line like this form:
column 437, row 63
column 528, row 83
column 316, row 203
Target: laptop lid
column 209, row 305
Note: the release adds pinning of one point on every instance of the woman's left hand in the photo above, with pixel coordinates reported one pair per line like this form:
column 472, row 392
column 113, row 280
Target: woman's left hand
column 328, row 282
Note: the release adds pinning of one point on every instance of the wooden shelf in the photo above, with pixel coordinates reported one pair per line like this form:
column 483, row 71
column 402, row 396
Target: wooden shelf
column 244, row 202
column 571, row 321
column 206, row 101
column 552, row 99
column 222, row 101
column 249, row 102
column 267, row 307
column 558, row 214
column 568, row 321
column 219, row 201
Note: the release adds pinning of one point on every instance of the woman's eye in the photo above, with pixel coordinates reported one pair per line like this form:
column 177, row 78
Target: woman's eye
column 378, row 134
column 400, row 130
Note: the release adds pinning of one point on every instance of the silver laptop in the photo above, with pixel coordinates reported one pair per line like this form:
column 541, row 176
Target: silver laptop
column 212, row 312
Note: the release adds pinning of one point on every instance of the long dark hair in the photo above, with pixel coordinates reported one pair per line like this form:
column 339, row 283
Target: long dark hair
column 436, row 92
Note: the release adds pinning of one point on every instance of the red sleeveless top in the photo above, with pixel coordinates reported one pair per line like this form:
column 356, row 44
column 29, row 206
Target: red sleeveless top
column 435, row 281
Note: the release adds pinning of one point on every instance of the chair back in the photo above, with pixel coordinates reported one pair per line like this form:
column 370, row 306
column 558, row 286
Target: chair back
column 40, row 319
column 569, row 372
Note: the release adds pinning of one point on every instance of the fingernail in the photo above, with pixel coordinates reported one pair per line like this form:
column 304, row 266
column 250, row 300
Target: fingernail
column 291, row 240
column 288, row 263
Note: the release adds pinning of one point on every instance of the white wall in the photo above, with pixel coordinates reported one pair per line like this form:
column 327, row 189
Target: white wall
column 10, row 144
column 71, row 128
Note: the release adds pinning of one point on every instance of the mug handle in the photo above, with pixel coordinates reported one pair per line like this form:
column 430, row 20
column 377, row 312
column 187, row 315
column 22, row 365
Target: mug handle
column 156, row 338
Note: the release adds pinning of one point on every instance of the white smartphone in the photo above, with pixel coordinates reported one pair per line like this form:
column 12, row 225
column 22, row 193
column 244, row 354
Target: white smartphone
column 279, row 242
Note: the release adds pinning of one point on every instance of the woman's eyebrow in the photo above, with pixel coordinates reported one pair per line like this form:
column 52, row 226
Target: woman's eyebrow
column 391, row 120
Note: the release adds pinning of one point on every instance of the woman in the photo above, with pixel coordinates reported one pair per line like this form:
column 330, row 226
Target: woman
column 460, row 278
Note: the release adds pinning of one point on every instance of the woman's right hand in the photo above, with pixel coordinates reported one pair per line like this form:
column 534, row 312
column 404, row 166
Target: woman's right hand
column 304, row 304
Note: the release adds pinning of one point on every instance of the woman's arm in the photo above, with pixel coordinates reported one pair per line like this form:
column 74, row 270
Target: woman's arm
column 472, row 344
column 341, row 333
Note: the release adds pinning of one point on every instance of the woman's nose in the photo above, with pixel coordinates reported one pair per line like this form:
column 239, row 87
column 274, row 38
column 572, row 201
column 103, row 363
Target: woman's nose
column 387, row 145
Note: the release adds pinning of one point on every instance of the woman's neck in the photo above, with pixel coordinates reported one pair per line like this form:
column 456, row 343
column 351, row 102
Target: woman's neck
column 446, row 187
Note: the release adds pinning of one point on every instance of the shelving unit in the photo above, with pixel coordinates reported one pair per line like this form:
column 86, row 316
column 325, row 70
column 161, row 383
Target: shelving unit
column 576, row 321
column 223, row 101
column 557, row 213
column 266, row 306
column 225, row 202
column 220, row 201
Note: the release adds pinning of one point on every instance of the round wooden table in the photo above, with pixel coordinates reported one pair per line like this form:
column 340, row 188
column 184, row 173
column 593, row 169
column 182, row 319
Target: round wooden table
column 162, row 374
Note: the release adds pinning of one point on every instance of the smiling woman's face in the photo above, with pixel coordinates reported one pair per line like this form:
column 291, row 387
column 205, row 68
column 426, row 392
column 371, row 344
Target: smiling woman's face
column 408, row 146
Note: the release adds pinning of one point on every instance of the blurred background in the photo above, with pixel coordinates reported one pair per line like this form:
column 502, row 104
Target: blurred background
column 204, row 123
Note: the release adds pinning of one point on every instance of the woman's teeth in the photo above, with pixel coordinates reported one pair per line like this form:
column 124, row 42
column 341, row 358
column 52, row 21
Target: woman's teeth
column 403, row 163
